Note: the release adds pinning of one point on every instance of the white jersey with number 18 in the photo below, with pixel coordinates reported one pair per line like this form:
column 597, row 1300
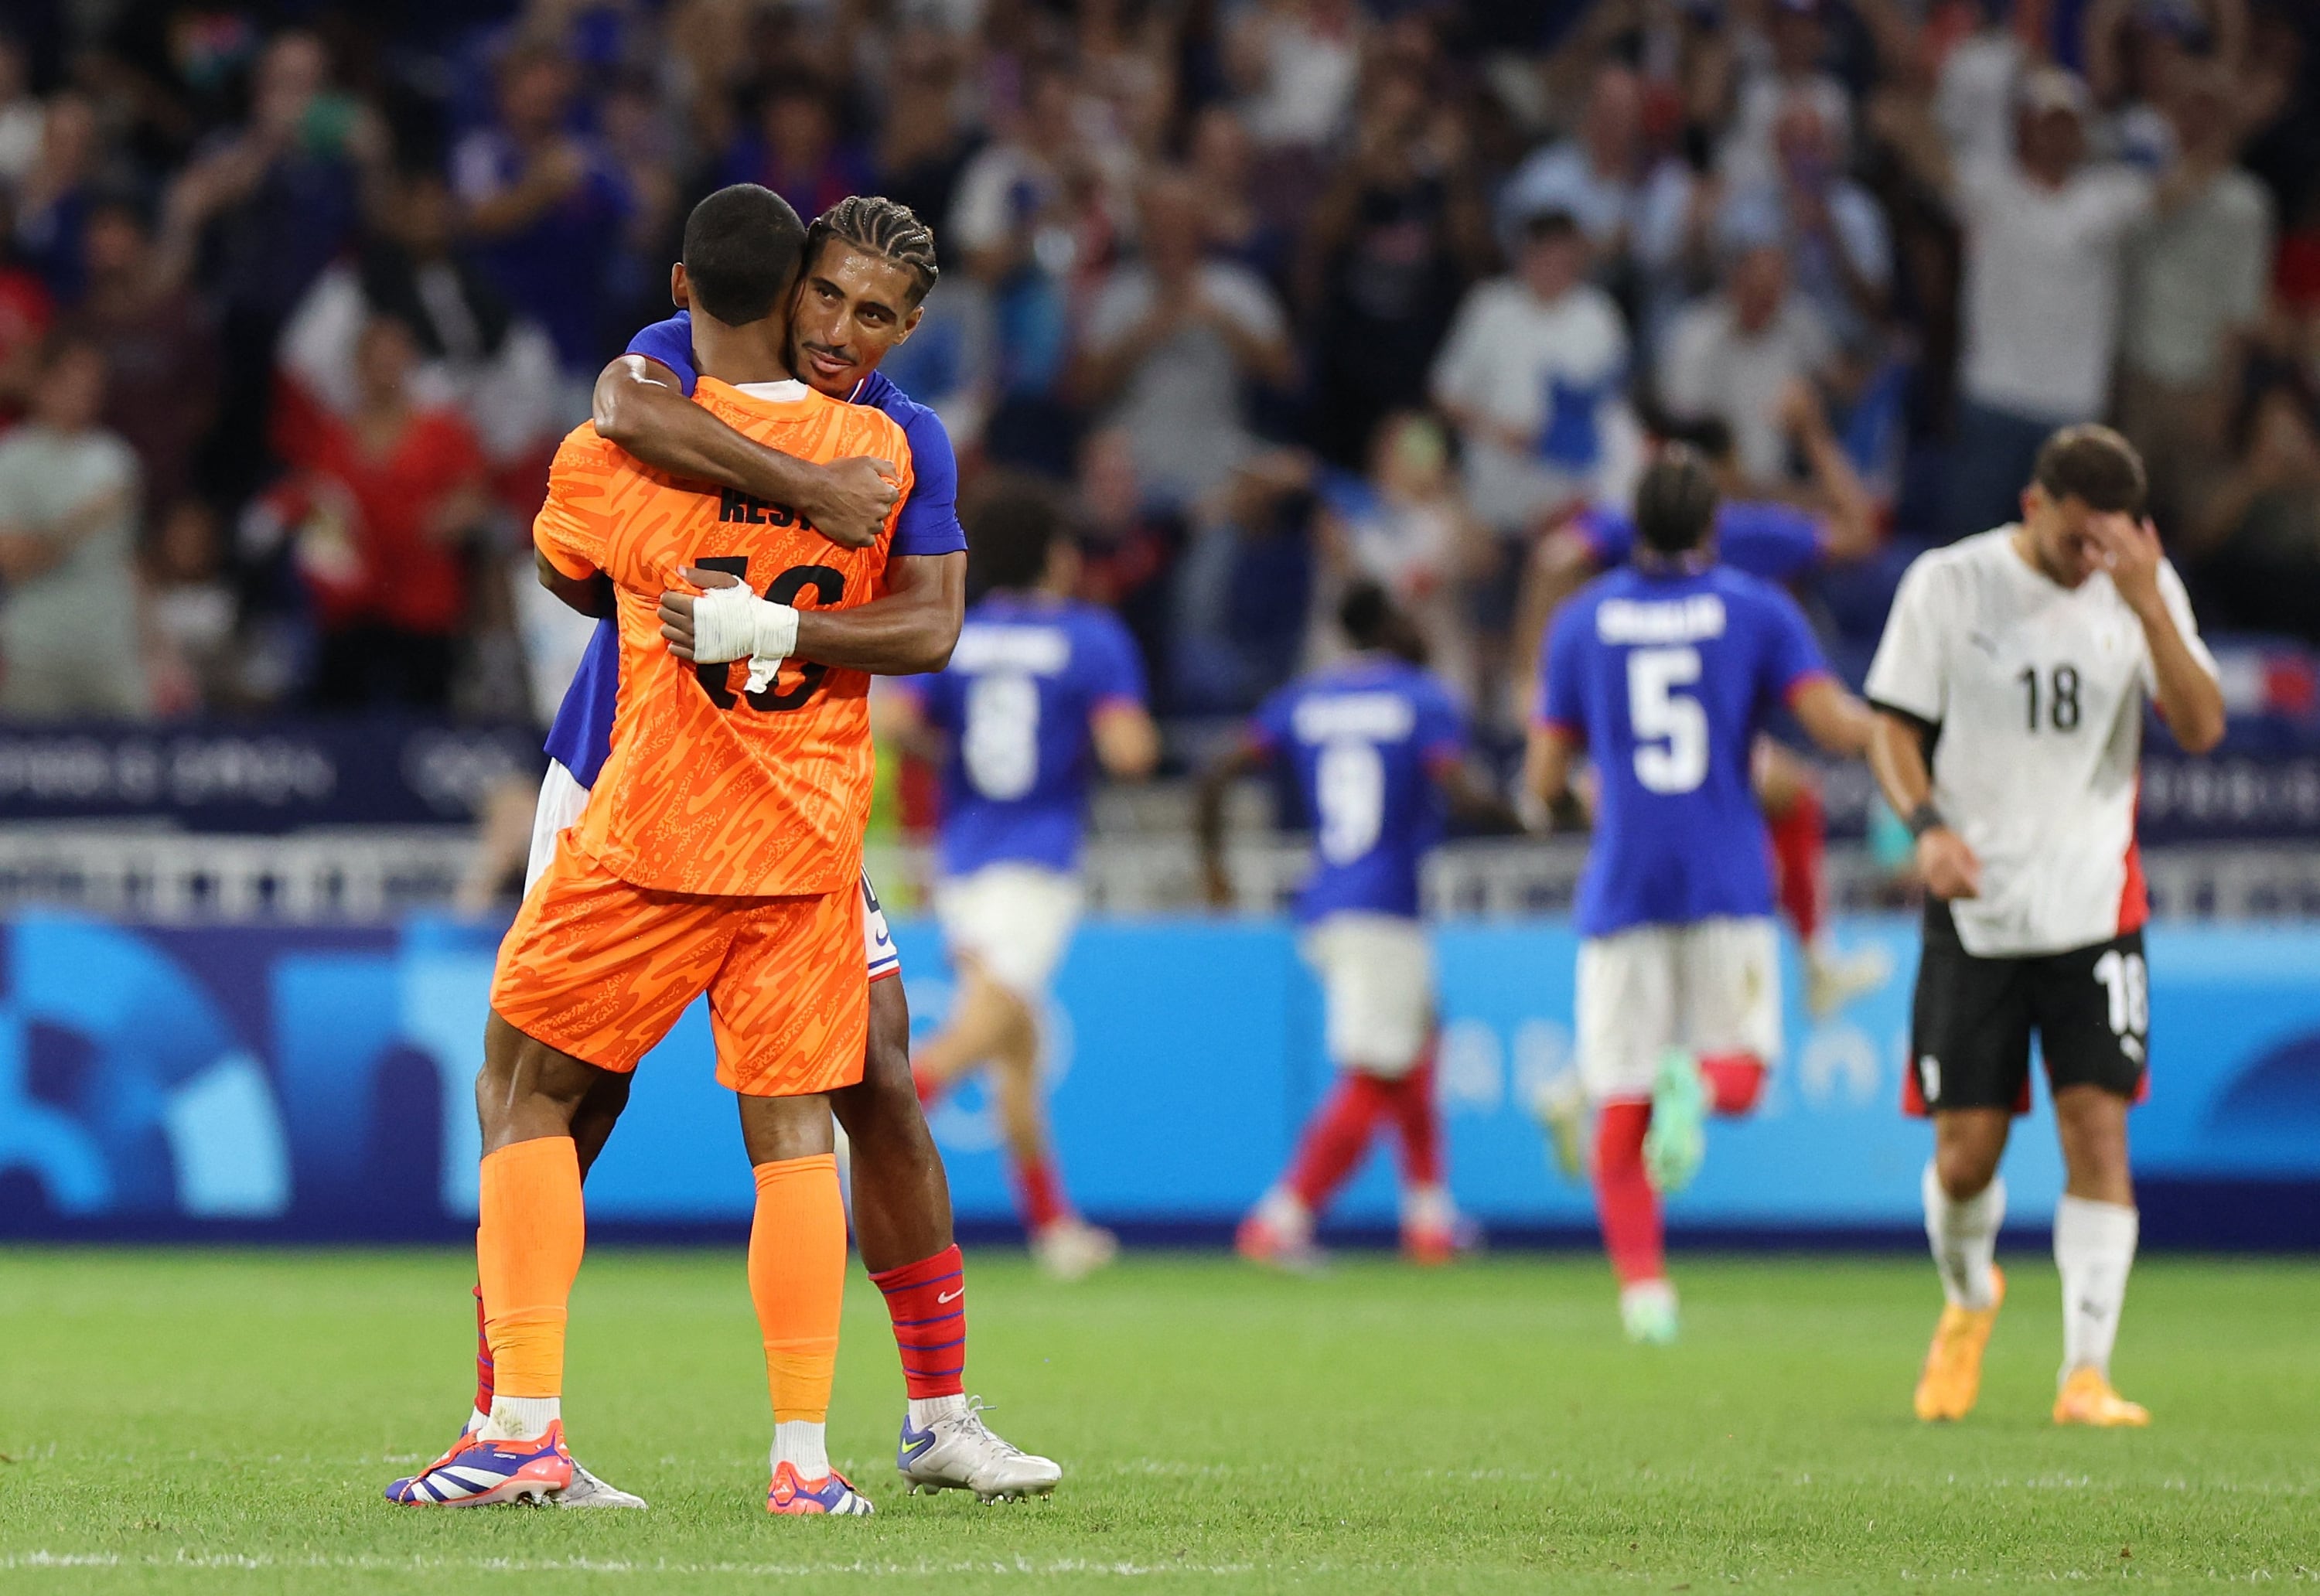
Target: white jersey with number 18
column 2037, row 693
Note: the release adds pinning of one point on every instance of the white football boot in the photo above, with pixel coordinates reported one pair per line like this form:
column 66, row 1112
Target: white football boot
column 959, row 1452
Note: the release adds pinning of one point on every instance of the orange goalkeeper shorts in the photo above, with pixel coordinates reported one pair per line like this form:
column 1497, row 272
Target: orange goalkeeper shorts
column 600, row 968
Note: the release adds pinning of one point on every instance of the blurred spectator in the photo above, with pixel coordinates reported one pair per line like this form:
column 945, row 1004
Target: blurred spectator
column 1405, row 528
column 22, row 116
column 2257, row 541
column 68, row 624
column 1732, row 359
column 160, row 354
column 1604, row 177
column 2044, row 230
column 1219, row 160
column 1784, row 72
column 1015, row 225
column 390, row 586
column 190, row 611
column 258, row 214
column 475, row 352
column 950, row 362
column 1173, row 345
column 1127, row 551
column 1839, row 250
column 923, row 145
column 547, row 207
column 795, row 149
column 25, row 313
column 2194, row 293
column 1396, row 235
column 1533, row 376
column 53, row 198
column 1295, row 63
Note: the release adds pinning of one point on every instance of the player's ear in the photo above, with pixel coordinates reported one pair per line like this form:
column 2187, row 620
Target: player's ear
column 680, row 292
column 910, row 324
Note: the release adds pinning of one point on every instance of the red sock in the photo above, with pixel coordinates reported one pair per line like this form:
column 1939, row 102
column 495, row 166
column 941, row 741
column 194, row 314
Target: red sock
column 1799, row 841
column 1334, row 1140
column 1411, row 1101
column 1626, row 1204
column 1734, row 1080
column 1039, row 1193
column 482, row 1358
column 927, row 1301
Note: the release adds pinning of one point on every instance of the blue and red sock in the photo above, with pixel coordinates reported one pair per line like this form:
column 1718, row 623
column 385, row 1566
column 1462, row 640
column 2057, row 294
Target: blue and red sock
column 927, row 1301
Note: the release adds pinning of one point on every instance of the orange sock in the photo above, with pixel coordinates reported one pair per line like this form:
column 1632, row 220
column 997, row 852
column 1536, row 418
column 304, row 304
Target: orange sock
column 797, row 1279
column 528, row 1245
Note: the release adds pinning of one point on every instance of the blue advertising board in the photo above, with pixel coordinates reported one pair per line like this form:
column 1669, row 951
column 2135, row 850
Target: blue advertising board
column 318, row 1085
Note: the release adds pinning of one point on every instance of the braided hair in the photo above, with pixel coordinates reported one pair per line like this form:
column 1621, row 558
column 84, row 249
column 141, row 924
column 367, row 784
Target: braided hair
column 882, row 227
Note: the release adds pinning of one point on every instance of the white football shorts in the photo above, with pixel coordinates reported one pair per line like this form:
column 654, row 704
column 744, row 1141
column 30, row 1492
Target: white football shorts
column 1014, row 919
column 1377, row 990
column 561, row 800
column 1712, row 986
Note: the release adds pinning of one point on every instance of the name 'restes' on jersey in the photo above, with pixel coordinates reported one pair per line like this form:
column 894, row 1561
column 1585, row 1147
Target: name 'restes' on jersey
column 1363, row 739
column 1665, row 678
column 2034, row 694
column 1028, row 676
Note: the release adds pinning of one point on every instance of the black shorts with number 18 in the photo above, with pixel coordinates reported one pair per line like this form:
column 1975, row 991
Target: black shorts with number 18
column 1972, row 1021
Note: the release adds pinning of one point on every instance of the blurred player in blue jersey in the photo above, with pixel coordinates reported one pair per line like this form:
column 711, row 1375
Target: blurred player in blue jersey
column 1780, row 543
column 868, row 264
column 1664, row 674
column 1042, row 693
column 1377, row 753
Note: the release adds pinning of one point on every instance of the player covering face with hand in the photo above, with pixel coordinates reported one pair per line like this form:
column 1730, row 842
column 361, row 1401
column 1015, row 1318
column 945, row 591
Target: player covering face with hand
column 2009, row 686
column 1664, row 673
column 1378, row 754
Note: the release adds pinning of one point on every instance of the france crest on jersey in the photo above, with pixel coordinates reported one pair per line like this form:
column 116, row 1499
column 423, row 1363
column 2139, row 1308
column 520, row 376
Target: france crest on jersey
column 581, row 739
column 1027, row 674
column 1666, row 678
column 1363, row 739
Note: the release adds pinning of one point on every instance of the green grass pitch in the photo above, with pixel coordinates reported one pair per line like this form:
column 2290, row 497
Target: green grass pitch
column 225, row 1421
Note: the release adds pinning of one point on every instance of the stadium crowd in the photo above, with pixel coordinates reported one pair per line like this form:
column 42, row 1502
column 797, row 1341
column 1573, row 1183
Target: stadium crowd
column 295, row 301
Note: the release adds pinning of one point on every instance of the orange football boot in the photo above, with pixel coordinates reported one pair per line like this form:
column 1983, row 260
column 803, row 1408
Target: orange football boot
column 2087, row 1397
column 1952, row 1379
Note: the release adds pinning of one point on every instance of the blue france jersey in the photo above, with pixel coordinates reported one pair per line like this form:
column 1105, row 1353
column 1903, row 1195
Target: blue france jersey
column 581, row 739
column 1363, row 739
column 1029, row 674
column 1778, row 542
column 1666, row 678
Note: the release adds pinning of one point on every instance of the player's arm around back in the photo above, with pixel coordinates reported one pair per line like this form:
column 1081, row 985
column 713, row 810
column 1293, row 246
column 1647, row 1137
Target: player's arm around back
column 1833, row 718
column 639, row 406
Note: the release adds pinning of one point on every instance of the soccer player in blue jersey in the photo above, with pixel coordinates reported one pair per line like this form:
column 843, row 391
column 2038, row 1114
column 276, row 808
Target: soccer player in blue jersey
column 868, row 264
column 1378, row 755
column 1042, row 693
column 1663, row 673
column 1780, row 543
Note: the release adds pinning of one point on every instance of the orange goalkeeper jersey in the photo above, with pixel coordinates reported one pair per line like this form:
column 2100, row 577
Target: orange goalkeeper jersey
column 709, row 788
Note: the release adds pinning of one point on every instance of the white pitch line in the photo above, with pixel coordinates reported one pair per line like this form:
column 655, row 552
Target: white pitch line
column 418, row 1565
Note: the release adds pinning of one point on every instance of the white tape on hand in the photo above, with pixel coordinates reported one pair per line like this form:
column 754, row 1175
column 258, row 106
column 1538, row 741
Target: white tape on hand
column 734, row 624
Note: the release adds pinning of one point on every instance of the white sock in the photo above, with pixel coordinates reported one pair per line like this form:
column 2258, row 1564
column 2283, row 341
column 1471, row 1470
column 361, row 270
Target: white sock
column 1280, row 1211
column 2094, row 1248
column 1965, row 1240
column 1427, row 1208
column 927, row 1410
column 1647, row 1291
column 477, row 1420
column 522, row 1419
column 798, row 1442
